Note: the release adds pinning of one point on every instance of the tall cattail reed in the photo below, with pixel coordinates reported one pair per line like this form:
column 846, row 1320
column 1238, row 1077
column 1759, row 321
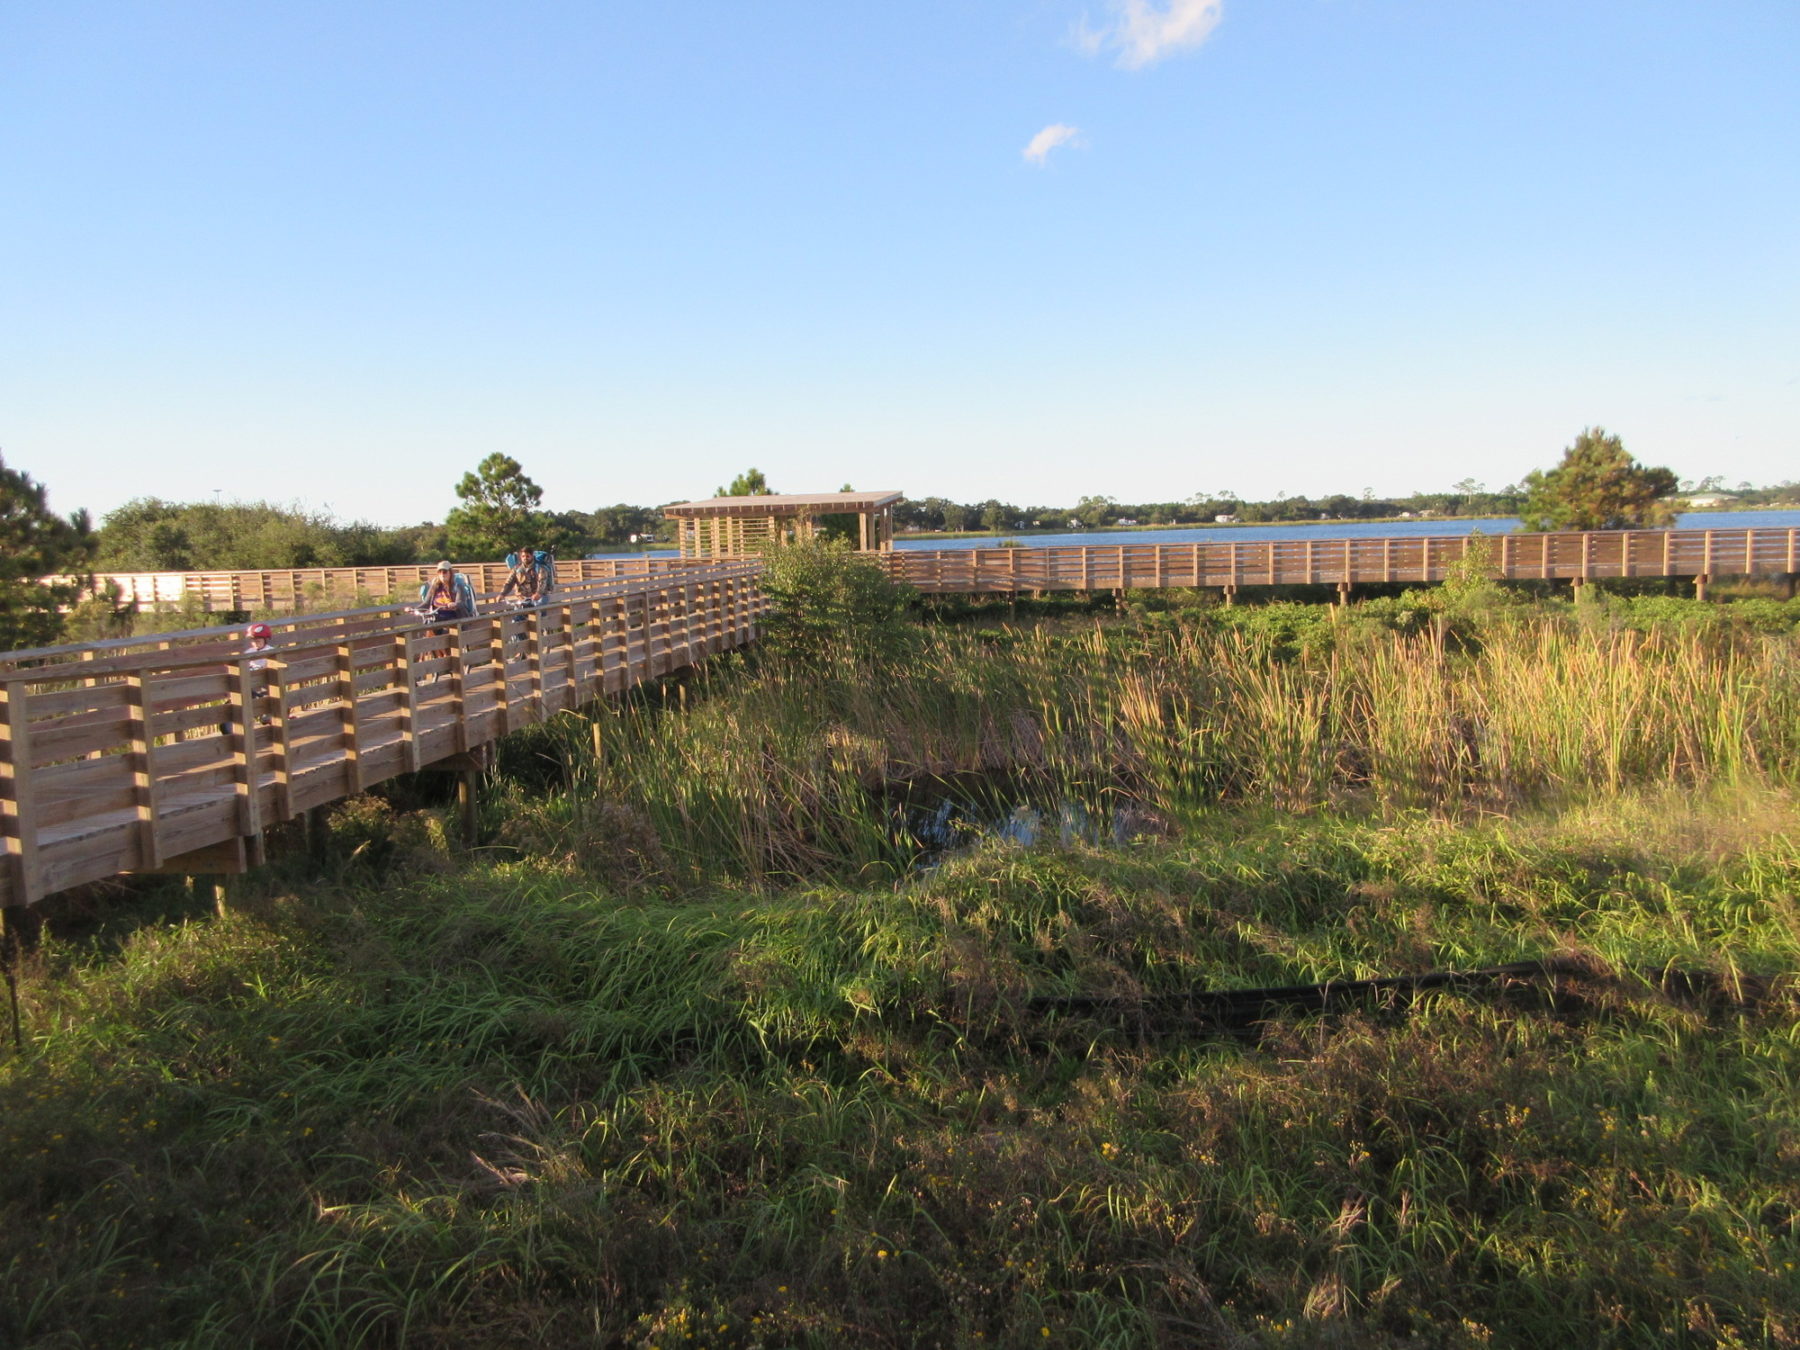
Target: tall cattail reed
column 781, row 770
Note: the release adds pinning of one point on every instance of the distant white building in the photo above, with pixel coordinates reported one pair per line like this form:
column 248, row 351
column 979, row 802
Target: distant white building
column 1702, row 500
column 1226, row 519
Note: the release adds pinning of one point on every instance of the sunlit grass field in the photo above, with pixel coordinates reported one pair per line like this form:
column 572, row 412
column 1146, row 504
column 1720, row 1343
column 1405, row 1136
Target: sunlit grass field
column 705, row 1047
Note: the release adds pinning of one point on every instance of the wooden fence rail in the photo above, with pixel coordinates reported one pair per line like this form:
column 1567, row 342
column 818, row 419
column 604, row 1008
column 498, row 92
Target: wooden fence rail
column 1701, row 554
column 291, row 589
column 145, row 753
column 1232, row 565
column 157, row 759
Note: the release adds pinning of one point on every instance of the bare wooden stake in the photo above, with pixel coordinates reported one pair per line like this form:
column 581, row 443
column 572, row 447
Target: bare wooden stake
column 466, row 804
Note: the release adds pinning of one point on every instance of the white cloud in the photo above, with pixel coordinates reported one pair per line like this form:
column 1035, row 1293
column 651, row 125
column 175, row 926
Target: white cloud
column 1057, row 133
column 1142, row 32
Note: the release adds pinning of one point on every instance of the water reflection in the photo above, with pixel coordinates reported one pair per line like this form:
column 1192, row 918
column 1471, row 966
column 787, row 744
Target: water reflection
column 943, row 816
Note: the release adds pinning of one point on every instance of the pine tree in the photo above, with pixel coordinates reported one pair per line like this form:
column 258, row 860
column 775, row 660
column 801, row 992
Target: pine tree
column 44, row 562
column 1598, row 486
column 499, row 511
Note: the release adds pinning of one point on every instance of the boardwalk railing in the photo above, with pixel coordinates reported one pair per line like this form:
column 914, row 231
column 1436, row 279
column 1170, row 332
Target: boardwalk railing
column 145, row 753
column 145, row 759
column 289, row 589
column 1292, row 562
column 1284, row 562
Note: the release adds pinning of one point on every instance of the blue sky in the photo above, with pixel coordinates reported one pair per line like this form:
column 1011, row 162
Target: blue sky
column 336, row 252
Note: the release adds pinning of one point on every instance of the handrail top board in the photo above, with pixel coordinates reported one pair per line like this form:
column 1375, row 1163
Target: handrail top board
column 74, row 654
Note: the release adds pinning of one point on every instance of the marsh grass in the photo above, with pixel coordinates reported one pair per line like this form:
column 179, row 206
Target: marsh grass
column 491, row 1107
column 775, row 771
column 690, row 1054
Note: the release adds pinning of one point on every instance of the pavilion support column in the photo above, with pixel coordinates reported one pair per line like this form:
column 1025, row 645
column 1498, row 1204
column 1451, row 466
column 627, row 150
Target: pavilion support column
column 1700, row 584
column 1343, row 594
column 1228, row 594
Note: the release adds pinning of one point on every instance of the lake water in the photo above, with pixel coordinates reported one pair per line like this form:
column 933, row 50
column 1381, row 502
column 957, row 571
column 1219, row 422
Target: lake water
column 1332, row 529
column 1323, row 529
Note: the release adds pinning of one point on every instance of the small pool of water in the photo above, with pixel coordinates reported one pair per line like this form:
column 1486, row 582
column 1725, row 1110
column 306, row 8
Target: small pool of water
column 943, row 816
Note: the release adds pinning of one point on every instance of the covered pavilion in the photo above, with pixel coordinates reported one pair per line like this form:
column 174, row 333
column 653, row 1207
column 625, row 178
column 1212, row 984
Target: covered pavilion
column 717, row 527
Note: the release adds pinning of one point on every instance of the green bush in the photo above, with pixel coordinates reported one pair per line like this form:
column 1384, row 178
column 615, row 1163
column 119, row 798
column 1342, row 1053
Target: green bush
column 829, row 605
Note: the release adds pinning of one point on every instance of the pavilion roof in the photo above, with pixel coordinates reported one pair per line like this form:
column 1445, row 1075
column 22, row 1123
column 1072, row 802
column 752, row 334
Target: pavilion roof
column 784, row 504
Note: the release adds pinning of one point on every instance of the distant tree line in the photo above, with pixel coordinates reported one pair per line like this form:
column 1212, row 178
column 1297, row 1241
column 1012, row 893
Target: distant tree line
column 1596, row 485
column 940, row 513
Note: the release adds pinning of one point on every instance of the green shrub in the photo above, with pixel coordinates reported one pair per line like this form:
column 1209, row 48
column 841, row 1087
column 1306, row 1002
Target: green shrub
column 827, row 604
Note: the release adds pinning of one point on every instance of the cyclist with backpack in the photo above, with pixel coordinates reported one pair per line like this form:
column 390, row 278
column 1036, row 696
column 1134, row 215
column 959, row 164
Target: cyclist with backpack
column 448, row 595
column 533, row 576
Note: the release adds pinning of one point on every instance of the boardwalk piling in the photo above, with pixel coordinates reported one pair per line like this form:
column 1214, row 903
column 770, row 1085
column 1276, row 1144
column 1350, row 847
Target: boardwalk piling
column 466, row 807
column 318, row 832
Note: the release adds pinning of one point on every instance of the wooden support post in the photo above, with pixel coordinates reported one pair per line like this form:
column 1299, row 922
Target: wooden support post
column 1343, row 594
column 143, row 768
column 243, row 751
column 1230, row 594
column 218, row 888
column 534, row 664
column 19, row 931
column 1700, row 583
column 572, row 655
column 402, row 660
column 496, row 645
column 20, row 821
column 349, row 729
column 466, row 807
column 459, row 704
column 318, row 833
column 278, row 736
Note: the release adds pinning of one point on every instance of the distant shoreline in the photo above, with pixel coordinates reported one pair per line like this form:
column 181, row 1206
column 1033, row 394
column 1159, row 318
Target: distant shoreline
column 1185, row 525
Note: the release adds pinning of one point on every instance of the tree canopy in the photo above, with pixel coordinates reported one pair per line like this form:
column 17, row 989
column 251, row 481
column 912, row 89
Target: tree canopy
column 35, row 542
column 749, row 483
column 499, row 512
column 149, row 534
column 1597, row 486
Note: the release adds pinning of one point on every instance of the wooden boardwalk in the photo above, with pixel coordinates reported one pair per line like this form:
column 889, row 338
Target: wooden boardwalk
column 170, row 754
column 175, row 752
column 1697, row 554
column 289, row 589
column 1092, row 567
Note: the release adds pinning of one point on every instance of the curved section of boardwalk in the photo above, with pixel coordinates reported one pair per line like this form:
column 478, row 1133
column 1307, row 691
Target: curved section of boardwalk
column 146, row 753
column 1348, row 562
column 1092, row 567
column 158, row 754
column 296, row 588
